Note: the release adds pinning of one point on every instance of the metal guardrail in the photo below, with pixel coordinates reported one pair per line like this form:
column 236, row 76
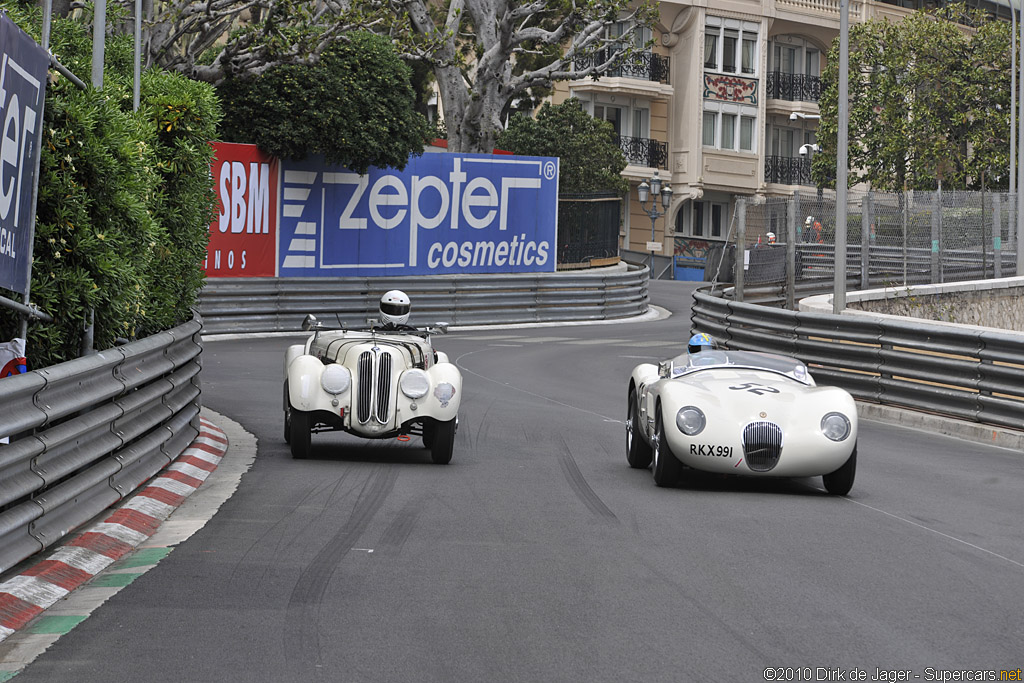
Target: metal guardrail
column 965, row 373
column 238, row 305
column 87, row 433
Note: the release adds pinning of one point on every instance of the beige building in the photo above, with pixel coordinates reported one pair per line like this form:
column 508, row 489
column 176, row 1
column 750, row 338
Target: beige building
column 724, row 106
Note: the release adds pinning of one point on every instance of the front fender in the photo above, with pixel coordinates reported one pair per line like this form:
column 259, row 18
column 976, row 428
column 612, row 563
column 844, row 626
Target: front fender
column 304, row 391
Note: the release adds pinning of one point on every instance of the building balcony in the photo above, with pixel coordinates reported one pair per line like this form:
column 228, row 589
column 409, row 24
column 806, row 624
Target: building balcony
column 793, row 87
column 645, row 66
column 788, row 170
column 644, row 152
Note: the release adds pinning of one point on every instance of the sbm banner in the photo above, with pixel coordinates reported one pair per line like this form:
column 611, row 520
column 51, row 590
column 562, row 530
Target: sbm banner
column 243, row 235
column 443, row 214
column 23, row 69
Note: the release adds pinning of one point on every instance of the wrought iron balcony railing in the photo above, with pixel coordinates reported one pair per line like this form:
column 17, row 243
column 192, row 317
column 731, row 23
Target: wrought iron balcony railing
column 787, row 170
column 793, row 87
column 644, row 65
column 644, row 151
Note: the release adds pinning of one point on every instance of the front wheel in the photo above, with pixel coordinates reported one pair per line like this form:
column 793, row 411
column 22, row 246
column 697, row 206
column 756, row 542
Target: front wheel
column 429, row 429
column 840, row 482
column 666, row 468
column 301, row 428
column 638, row 453
column 287, row 416
column 443, row 441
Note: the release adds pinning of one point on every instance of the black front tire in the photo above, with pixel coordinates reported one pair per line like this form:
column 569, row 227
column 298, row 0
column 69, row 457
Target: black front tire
column 287, row 416
column 443, row 441
column 666, row 468
column 638, row 452
column 301, row 428
column 429, row 430
column 840, row 482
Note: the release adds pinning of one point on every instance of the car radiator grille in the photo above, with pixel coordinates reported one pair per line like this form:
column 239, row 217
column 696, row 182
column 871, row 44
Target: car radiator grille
column 374, row 387
column 762, row 445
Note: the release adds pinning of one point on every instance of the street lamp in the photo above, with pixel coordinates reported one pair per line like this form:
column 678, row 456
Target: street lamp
column 811, row 148
column 798, row 115
column 654, row 190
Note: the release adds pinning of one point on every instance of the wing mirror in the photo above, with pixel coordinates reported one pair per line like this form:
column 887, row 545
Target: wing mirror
column 440, row 327
column 311, row 323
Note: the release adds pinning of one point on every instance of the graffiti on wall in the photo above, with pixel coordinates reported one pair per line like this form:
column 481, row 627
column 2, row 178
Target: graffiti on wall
column 691, row 247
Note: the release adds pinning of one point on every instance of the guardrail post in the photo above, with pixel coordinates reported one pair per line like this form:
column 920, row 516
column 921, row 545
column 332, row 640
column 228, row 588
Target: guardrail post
column 866, row 221
column 936, row 236
column 997, row 236
column 791, row 222
column 741, row 246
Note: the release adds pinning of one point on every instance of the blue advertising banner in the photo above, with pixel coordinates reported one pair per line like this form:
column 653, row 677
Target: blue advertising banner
column 444, row 214
column 23, row 68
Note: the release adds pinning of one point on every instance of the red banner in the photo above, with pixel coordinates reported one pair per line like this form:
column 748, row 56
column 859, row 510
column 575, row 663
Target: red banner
column 243, row 236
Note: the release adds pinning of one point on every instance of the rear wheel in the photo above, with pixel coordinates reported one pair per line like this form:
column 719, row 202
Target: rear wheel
column 666, row 467
column 301, row 426
column 443, row 441
column 840, row 482
column 638, row 453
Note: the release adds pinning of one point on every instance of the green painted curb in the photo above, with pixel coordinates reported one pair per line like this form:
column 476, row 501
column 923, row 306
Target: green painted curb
column 56, row 624
column 114, row 580
column 144, row 557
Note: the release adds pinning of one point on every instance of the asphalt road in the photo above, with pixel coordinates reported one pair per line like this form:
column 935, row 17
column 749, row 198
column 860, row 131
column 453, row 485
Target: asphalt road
column 539, row 555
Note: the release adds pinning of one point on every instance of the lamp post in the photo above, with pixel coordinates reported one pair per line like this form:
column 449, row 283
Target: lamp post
column 809, row 150
column 654, row 190
column 798, row 115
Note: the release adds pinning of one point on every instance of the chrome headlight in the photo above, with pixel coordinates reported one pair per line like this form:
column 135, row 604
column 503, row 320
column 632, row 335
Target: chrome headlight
column 414, row 383
column 335, row 379
column 690, row 420
column 835, row 426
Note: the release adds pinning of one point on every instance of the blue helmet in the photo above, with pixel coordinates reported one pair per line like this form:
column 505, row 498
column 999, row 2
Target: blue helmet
column 700, row 342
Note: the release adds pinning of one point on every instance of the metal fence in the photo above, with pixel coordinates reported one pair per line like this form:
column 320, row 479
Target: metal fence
column 87, row 433
column 233, row 305
column 588, row 227
column 958, row 372
column 893, row 239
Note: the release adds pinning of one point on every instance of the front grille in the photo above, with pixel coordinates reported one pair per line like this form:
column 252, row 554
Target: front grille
column 383, row 387
column 374, row 399
column 365, row 386
column 762, row 445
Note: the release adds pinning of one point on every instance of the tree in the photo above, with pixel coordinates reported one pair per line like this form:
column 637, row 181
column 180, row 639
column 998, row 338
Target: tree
column 929, row 95
column 359, row 94
column 591, row 159
column 474, row 47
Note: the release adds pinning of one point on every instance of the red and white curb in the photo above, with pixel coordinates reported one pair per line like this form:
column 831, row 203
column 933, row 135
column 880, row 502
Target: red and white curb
column 25, row 596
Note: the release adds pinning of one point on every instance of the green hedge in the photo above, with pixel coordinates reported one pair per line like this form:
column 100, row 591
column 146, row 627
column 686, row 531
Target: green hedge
column 125, row 198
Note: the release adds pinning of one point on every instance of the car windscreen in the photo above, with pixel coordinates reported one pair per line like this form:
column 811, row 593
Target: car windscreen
column 719, row 358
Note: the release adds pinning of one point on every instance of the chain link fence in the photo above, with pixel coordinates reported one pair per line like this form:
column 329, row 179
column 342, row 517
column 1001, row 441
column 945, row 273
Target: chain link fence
column 892, row 239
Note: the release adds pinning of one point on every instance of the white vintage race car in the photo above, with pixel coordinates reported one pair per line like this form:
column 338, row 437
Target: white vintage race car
column 740, row 412
column 376, row 383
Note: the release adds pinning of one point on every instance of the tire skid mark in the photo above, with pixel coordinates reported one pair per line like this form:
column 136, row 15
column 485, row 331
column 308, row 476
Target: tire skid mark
column 302, row 633
column 581, row 488
column 401, row 527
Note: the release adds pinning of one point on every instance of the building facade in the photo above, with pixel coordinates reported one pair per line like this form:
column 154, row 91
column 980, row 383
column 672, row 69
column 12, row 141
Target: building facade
column 724, row 106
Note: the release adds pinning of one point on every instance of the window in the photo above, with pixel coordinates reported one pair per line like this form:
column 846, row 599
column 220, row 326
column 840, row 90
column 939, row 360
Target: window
column 611, row 114
column 730, row 130
column 707, row 219
column 747, row 133
column 795, row 56
column 710, row 136
column 730, row 46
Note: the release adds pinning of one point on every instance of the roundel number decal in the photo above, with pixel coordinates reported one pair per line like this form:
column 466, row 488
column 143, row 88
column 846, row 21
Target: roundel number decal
column 755, row 388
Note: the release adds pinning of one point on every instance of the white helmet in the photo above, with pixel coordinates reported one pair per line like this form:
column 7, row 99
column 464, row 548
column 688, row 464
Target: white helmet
column 394, row 307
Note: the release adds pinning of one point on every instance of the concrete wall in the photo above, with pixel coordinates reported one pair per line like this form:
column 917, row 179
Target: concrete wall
column 996, row 304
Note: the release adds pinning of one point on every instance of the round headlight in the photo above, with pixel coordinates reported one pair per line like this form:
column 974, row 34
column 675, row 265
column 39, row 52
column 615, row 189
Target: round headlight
column 414, row 383
column 835, row 426
column 335, row 379
column 690, row 420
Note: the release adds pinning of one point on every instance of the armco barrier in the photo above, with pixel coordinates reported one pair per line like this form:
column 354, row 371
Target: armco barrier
column 230, row 305
column 969, row 373
column 87, row 433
